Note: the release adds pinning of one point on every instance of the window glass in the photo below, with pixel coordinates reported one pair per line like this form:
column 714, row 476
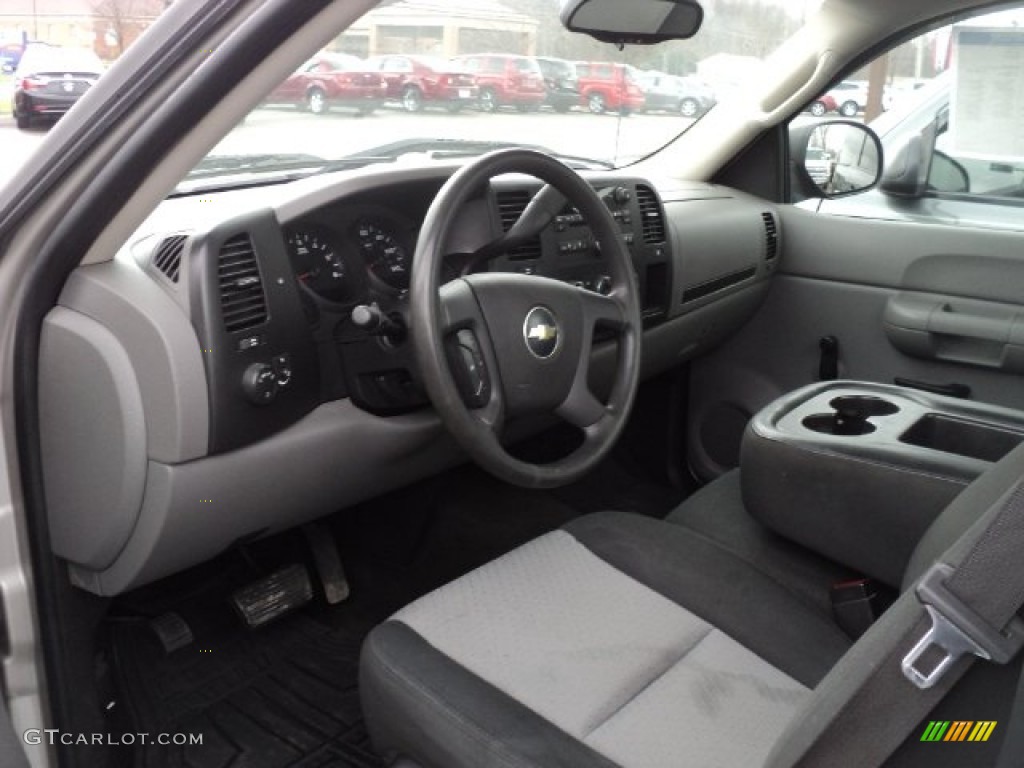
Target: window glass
column 956, row 93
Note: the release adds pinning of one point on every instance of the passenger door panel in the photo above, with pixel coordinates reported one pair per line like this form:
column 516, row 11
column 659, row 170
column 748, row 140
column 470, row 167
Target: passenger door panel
column 927, row 303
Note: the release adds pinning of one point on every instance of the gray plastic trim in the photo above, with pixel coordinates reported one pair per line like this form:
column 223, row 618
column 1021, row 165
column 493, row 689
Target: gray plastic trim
column 89, row 397
column 782, row 421
column 715, row 238
column 159, row 339
column 335, row 457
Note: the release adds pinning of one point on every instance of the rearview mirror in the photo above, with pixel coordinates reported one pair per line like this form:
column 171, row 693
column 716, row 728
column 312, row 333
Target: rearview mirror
column 637, row 22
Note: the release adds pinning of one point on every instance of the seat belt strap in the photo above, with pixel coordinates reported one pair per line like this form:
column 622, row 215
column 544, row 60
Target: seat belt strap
column 964, row 608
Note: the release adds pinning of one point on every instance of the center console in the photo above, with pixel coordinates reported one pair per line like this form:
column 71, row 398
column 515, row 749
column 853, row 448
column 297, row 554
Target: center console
column 858, row 471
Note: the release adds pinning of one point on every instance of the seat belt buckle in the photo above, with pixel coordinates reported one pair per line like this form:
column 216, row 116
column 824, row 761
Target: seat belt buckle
column 956, row 630
column 854, row 605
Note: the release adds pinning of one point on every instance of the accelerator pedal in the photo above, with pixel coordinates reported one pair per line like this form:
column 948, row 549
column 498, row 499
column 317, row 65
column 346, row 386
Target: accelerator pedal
column 273, row 596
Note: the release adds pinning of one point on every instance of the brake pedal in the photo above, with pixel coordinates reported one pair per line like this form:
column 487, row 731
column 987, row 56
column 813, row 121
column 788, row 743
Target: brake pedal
column 328, row 562
column 273, row 596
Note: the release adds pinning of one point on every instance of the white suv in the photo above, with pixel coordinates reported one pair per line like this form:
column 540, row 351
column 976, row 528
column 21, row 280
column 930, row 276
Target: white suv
column 851, row 97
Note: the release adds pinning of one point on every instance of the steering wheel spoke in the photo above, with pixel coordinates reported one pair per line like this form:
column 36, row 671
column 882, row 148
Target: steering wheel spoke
column 582, row 408
column 598, row 309
column 470, row 353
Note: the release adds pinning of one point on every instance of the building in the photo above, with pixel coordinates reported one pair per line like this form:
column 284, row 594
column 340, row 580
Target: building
column 441, row 28
column 106, row 26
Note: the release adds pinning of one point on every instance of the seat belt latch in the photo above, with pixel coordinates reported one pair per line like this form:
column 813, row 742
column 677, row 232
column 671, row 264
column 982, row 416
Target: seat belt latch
column 854, row 605
column 956, row 629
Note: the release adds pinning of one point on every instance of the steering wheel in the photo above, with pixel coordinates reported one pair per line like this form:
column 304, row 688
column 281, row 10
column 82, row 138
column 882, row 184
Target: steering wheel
column 493, row 346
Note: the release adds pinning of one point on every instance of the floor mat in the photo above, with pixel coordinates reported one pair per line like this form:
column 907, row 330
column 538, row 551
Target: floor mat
column 284, row 695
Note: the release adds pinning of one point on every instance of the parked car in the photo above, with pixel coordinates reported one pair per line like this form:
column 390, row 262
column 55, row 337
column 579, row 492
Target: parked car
column 417, row 82
column 50, row 79
column 822, row 105
column 669, row 93
column 331, row 80
column 608, row 87
column 850, row 97
column 506, row 80
column 819, row 164
column 10, row 55
column 562, row 83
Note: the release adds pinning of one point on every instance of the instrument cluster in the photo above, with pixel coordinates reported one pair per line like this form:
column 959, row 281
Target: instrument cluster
column 342, row 262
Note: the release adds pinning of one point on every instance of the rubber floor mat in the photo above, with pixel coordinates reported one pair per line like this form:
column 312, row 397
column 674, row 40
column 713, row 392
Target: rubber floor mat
column 283, row 695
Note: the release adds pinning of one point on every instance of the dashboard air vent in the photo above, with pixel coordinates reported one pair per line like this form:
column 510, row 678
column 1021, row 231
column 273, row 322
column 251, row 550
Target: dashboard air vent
column 511, row 205
column 651, row 218
column 167, row 256
column 771, row 233
column 243, row 303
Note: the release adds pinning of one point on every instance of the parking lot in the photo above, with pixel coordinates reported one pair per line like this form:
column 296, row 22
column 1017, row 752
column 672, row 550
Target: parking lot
column 340, row 133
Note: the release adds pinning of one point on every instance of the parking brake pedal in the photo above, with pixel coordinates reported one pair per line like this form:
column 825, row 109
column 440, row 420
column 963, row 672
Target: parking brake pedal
column 327, row 561
column 273, row 596
column 173, row 631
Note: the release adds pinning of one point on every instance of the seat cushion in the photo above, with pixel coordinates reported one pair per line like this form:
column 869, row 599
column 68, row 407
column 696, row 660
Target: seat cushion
column 617, row 640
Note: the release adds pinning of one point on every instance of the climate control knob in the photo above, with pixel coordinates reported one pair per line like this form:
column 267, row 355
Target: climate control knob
column 259, row 382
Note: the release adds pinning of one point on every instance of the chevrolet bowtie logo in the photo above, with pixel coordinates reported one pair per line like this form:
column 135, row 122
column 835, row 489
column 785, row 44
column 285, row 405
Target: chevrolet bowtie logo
column 543, row 332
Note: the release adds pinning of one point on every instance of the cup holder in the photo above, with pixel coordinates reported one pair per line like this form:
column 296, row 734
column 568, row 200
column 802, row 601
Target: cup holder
column 863, row 406
column 851, row 415
column 834, row 424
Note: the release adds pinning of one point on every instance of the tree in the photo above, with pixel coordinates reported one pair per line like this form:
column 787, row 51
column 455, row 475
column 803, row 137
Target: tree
column 119, row 22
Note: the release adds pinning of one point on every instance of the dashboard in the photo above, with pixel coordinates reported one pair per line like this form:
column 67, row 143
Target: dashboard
column 246, row 365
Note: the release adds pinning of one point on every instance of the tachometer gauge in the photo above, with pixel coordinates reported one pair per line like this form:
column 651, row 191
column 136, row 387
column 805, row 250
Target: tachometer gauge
column 386, row 258
column 317, row 265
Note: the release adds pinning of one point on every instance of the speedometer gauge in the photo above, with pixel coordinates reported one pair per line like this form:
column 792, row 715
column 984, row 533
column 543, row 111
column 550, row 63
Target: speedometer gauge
column 386, row 257
column 317, row 265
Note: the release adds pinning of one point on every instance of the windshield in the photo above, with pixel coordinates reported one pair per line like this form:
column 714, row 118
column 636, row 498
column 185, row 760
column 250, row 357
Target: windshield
column 457, row 79
column 432, row 81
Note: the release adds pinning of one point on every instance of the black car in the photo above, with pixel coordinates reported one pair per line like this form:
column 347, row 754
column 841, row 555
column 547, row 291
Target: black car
column 50, row 79
column 562, row 83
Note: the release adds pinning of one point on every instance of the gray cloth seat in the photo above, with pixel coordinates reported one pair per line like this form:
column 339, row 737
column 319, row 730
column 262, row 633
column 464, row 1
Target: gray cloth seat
column 622, row 640
column 600, row 630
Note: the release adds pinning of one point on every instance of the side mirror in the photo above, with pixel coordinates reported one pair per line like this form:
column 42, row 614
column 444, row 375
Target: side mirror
column 947, row 175
column 636, row 22
column 833, row 159
column 914, row 168
column 907, row 175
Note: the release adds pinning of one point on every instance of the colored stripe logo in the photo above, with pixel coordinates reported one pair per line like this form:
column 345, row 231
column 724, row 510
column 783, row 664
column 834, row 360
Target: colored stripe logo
column 958, row 730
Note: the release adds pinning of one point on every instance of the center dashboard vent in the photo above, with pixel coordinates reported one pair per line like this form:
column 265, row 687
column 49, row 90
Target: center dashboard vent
column 243, row 303
column 771, row 234
column 511, row 205
column 652, row 220
column 167, row 256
